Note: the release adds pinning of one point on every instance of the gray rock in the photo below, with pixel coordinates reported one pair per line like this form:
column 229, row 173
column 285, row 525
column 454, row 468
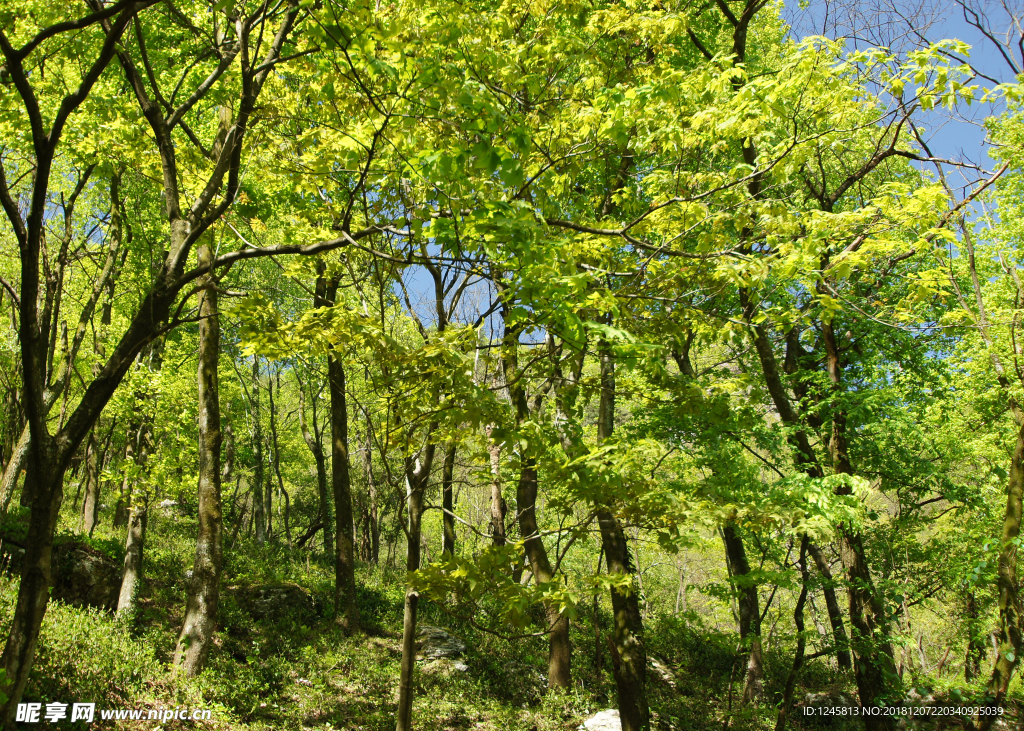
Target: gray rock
column 277, row 602
column 661, row 672
column 434, row 642
column 169, row 507
column 85, row 577
column 603, row 721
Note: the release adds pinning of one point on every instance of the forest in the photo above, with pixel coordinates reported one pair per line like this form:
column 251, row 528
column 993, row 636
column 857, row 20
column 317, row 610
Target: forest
column 615, row 365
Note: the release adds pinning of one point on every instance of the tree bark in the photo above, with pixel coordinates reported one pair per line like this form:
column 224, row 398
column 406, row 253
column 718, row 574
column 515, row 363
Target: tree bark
column 33, row 591
column 15, row 466
column 315, row 443
column 498, row 507
column 417, row 473
column 91, row 507
column 749, row 613
column 371, row 486
column 204, row 589
column 629, row 662
column 277, row 463
column 835, row 614
column 124, row 494
column 259, row 488
column 1011, row 613
column 448, row 501
column 873, row 657
column 976, row 647
column 131, row 580
column 346, row 610
column 801, row 641
column 559, row 649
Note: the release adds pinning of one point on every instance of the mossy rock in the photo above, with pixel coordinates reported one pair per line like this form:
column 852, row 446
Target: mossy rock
column 85, row 576
column 277, row 603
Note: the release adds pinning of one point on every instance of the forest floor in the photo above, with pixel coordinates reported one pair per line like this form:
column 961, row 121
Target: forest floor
column 280, row 662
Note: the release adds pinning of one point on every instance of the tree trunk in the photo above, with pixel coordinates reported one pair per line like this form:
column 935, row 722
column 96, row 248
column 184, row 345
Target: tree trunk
column 259, row 499
column 346, row 611
column 131, row 580
column 15, row 465
column 835, row 614
column 34, row 588
column 124, row 494
column 448, row 501
column 629, row 662
column 277, row 463
column 227, row 474
column 498, row 507
column 1011, row 613
column 749, row 613
column 801, row 641
column 415, row 485
column 873, row 663
column 559, row 649
column 204, row 589
column 873, row 666
column 976, row 647
column 240, row 521
column 315, row 444
column 371, row 484
column 91, row 508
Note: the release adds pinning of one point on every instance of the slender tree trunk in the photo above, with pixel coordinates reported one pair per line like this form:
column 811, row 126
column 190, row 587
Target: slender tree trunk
column 346, row 610
column 598, row 641
column 242, row 515
column 498, row 507
column 448, row 500
column 416, row 476
column 559, row 649
column 315, row 444
column 277, row 464
column 371, row 484
column 15, row 465
column 749, row 613
column 204, row 590
column 681, row 591
column 942, row 661
column 835, row 614
column 976, row 647
column 629, row 661
column 131, row 580
column 259, row 500
column 91, row 508
column 124, row 494
column 801, row 641
column 227, row 475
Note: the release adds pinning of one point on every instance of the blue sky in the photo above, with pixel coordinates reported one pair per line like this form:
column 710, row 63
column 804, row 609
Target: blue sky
column 904, row 24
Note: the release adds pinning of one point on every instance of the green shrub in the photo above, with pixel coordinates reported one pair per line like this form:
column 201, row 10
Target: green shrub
column 82, row 656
